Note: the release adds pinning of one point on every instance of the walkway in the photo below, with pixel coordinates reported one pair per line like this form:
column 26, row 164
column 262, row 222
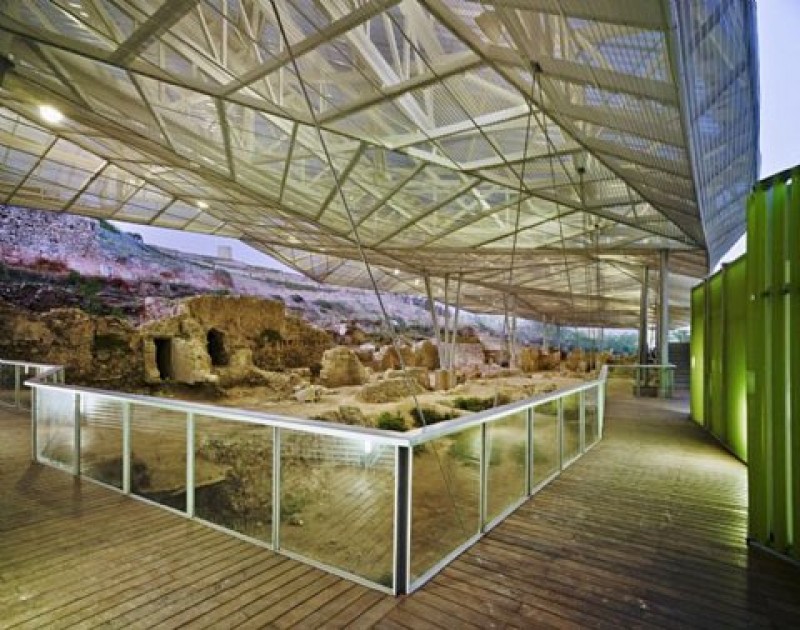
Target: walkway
column 646, row 530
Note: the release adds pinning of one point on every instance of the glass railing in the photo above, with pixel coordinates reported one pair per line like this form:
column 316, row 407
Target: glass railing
column 468, row 475
column 649, row 380
column 14, row 374
column 383, row 508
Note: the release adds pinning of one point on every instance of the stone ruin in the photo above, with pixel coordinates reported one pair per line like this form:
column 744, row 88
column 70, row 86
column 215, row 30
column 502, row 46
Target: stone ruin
column 100, row 351
column 341, row 368
column 229, row 341
column 224, row 340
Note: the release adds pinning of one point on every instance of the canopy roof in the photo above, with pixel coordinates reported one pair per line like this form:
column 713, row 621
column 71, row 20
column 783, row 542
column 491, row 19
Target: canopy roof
column 539, row 149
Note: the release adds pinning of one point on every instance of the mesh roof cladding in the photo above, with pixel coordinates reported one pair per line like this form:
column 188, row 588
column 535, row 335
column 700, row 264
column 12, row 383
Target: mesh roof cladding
column 451, row 157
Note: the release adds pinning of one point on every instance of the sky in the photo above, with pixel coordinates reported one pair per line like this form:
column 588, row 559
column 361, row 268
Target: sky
column 778, row 50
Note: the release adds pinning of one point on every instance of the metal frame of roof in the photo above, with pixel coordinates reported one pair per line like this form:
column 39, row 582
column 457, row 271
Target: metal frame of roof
column 544, row 149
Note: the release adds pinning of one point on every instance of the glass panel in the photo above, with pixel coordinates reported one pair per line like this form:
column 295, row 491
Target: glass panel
column 7, row 379
column 26, row 373
column 158, row 455
column 101, row 439
column 545, row 442
column 445, row 502
column 572, row 426
column 592, row 421
column 337, row 502
column 233, row 475
column 55, row 426
column 507, row 447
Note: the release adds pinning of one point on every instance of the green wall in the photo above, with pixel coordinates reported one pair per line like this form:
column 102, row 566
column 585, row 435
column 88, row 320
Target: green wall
column 697, row 364
column 773, row 362
column 718, row 376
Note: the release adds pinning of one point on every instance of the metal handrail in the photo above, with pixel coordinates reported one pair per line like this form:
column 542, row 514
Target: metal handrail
column 432, row 432
column 378, row 436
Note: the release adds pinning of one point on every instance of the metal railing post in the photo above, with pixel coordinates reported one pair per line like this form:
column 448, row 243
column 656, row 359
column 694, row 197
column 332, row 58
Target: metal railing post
column 76, row 470
column 560, row 431
column 190, row 464
column 126, row 447
column 601, row 408
column 529, row 463
column 34, row 425
column 582, row 421
column 276, row 488
column 484, row 473
column 402, row 520
column 17, row 385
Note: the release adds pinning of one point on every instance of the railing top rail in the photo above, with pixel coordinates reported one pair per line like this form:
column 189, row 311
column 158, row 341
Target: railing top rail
column 441, row 429
column 382, row 436
column 379, row 436
column 44, row 366
column 651, row 366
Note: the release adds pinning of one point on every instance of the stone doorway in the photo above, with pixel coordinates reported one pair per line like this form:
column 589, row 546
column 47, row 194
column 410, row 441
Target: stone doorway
column 215, row 344
column 164, row 358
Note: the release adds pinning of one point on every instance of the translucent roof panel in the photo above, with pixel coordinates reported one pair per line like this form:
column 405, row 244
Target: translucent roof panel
column 545, row 149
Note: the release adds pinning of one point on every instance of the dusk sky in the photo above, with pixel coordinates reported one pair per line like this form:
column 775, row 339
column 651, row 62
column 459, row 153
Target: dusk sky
column 778, row 49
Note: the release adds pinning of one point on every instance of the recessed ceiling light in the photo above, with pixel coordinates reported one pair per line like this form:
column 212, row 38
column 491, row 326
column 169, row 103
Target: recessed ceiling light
column 202, row 205
column 396, row 272
column 50, row 114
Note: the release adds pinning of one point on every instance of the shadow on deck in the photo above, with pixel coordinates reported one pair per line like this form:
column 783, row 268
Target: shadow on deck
column 647, row 529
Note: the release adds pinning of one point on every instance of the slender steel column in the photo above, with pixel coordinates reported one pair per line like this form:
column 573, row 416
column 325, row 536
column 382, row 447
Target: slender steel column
column 643, row 316
column 663, row 306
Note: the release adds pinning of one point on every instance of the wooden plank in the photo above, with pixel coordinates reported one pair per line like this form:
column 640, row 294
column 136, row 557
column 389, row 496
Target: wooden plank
column 648, row 529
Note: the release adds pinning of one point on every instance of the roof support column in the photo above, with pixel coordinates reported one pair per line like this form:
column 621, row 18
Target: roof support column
column 663, row 306
column 643, row 316
column 451, row 365
column 663, row 325
column 545, row 347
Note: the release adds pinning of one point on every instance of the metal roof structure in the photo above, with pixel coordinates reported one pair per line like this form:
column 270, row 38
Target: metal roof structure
column 538, row 149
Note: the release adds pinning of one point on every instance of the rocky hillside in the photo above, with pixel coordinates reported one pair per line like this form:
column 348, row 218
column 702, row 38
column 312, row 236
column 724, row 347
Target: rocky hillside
column 52, row 260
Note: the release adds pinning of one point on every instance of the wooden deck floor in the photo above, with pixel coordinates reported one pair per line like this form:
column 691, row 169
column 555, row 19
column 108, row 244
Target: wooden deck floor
column 647, row 530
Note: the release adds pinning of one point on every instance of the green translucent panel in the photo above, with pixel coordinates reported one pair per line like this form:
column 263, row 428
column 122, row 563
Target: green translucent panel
column 772, row 326
column 735, row 366
column 697, row 363
column 233, row 475
column 158, row 459
column 716, row 339
column 545, row 458
column 445, row 504
column 101, row 439
column 507, row 440
column 337, row 502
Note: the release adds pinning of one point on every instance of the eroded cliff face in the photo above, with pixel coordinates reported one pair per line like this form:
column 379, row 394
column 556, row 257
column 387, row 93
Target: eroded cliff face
column 228, row 341
column 101, row 351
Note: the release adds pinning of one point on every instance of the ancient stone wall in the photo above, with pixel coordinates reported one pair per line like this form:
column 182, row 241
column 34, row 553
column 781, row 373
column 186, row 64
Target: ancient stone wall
column 100, row 351
column 341, row 367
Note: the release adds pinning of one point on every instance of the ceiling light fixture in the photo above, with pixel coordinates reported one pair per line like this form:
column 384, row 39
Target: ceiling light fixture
column 202, row 205
column 50, row 114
